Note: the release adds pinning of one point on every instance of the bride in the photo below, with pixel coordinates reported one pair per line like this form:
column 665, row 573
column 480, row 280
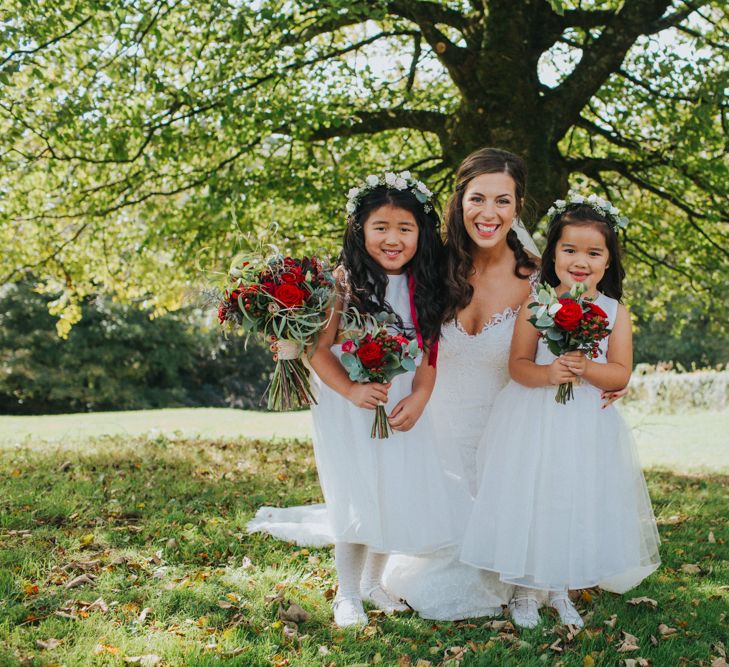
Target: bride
column 488, row 274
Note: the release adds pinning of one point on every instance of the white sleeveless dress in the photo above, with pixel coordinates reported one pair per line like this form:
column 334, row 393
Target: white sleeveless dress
column 389, row 494
column 562, row 502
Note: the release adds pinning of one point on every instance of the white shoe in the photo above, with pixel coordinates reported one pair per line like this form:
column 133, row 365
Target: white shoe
column 524, row 610
column 348, row 612
column 381, row 599
column 566, row 610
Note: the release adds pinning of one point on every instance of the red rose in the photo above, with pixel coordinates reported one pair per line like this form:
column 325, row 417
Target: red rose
column 293, row 276
column 371, row 355
column 347, row 346
column 594, row 311
column 268, row 286
column 290, row 296
column 569, row 315
column 222, row 313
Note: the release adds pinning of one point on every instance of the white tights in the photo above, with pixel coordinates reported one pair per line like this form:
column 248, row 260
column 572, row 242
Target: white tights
column 357, row 567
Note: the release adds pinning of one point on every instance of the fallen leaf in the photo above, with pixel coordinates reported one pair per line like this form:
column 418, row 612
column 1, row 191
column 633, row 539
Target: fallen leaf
column 611, row 621
column 423, row 663
column 629, row 643
column 148, row 660
column 588, row 661
column 87, row 539
column 98, row 604
column 654, row 641
column 145, row 612
column 690, row 568
column 672, row 520
column 719, row 648
column 323, row 650
column 712, row 539
column 555, row 646
column 498, row 625
column 586, row 597
column 644, row 600
column 636, row 662
column 48, row 644
column 720, row 662
column 105, row 648
column 81, row 580
column 30, row 589
column 665, row 631
column 294, row 614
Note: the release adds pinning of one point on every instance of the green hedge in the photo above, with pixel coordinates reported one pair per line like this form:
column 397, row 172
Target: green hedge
column 654, row 389
column 117, row 358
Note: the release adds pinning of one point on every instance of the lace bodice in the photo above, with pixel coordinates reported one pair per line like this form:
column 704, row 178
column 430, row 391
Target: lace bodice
column 472, row 369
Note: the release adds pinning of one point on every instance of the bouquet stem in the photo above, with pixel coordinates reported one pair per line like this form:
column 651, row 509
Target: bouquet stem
column 565, row 393
column 290, row 388
column 380, row 427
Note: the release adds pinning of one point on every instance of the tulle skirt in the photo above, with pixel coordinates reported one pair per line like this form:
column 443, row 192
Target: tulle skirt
column 562, row 501
column 391, row 494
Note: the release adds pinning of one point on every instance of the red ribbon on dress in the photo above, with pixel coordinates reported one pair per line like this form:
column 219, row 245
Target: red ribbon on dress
column 433, row 355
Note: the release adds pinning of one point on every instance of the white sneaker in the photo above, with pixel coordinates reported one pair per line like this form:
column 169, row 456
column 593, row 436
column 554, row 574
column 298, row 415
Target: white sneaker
column 381, row 599
column 566, row 610
column 348, row 612
column 524, row 610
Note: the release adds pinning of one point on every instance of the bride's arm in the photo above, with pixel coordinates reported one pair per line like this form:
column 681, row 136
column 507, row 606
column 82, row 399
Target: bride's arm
column 522, row 367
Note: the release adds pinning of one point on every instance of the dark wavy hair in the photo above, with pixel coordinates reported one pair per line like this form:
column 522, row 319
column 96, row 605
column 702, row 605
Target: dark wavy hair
column 458, row 245
column 366, row 279
column 583, row 215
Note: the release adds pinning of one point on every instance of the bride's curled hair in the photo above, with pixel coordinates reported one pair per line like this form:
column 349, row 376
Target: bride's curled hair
column 365, row 279
column 458, row 245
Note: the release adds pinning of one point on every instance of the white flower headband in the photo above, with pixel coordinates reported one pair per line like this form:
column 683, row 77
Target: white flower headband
column 401, row 181
column 602, row 206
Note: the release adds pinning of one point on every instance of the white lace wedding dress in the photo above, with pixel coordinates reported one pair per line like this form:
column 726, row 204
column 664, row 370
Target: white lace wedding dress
column 472, row 369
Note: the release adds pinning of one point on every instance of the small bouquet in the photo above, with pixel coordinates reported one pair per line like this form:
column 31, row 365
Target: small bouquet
column 285, row 300
column 568, row 323
column 378, row 356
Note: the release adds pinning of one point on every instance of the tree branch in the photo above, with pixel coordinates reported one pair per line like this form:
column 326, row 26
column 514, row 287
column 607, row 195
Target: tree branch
column 563, row 104
column 40, row 47
column 583, row 18
column 672, row 20
column 370, row 122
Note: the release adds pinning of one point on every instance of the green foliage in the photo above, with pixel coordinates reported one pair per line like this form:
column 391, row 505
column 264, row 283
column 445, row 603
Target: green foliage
column 118, row 358
column 161, row 525
column 157, row 132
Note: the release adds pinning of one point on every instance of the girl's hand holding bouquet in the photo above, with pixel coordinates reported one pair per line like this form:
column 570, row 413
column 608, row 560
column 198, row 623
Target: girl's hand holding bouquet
column 572, row 327
column 373, row 356
column 284, row 300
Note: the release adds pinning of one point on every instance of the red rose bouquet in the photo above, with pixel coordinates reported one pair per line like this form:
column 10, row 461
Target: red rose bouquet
column 377, row 356
column 284, row 300
column 568, row 323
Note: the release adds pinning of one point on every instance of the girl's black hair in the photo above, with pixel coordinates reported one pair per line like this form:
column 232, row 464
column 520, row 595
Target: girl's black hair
column 367, row 280
column 583, row 214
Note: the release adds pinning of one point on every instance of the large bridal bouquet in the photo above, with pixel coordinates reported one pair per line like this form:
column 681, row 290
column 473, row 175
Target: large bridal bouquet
column 284, row 300
column 568, row 322
column 372, row 354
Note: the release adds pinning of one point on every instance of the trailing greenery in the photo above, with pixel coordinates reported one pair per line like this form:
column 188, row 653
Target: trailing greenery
column 118, row 358
column 158, row 527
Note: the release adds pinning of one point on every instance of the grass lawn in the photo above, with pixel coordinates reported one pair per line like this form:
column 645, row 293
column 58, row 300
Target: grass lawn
column 693, row 442
column 157, row 525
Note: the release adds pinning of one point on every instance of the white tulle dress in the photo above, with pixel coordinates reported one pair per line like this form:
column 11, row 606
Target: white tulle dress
column 562, row 502
column 389, row 494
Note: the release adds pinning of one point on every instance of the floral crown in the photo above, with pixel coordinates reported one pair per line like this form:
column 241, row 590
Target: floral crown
column 401, row 181
column 602, row 206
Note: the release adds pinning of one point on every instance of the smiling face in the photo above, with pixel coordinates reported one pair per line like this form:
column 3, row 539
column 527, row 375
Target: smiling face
column 581, row 255
column 391, row 237
column 489, row 206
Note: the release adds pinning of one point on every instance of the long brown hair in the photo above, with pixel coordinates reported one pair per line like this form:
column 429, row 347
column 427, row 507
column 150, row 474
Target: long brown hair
column 459, row 260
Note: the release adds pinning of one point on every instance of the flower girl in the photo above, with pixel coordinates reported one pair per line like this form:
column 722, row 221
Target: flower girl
column 382, row 496
column 562, row 501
